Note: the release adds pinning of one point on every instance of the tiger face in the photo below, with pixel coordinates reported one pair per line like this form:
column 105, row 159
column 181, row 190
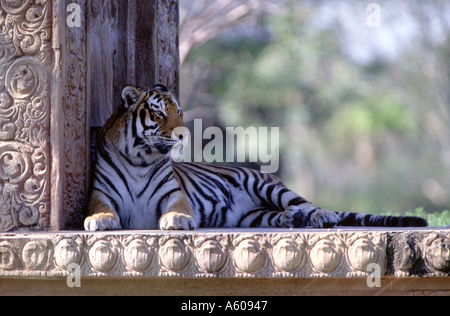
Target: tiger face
column 153, row 121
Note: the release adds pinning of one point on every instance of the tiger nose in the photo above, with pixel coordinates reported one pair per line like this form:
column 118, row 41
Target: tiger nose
column 180, row 133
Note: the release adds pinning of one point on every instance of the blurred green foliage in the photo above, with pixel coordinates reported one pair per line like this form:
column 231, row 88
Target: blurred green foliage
column 435, row 219
column 370, row 135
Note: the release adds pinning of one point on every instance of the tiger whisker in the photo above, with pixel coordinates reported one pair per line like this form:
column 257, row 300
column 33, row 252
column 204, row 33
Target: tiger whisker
column 168, row 141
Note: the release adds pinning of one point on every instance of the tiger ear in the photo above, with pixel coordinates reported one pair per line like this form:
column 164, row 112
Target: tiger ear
column 161, row 87
column 130, row 95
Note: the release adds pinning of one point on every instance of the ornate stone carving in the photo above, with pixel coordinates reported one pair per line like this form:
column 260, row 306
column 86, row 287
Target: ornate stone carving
column 25, row 63
column 229, row 254
column 35, row 255
column 103, row 255
column 67, row 251
column 41, row 61
column 75, row 125
column 249, row 256
column 8, row 256
column 174, row 255
column 211, row 256
column 437, row 253
column 420, row 253
column 288, row 254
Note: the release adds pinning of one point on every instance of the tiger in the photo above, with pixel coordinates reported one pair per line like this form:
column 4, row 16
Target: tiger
column 138, row 184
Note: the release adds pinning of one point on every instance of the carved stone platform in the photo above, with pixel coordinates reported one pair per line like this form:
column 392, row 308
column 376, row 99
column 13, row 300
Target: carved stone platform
column 271, row 253
column 228, row 262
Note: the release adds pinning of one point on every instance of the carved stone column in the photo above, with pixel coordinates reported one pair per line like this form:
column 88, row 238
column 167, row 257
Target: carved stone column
column 26, row 63
column 69, row 115
column 46, row 91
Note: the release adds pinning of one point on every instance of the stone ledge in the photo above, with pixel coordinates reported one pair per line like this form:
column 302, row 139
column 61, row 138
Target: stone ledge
column 236, row 253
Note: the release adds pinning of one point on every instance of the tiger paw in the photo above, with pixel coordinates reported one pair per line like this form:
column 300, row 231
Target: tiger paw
column 323, row 219
column 176, row 221
column 102, row 221
column 293, row 217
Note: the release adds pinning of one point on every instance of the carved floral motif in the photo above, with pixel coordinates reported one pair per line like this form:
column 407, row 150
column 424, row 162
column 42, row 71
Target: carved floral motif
column 225, row 254
column 25, row 54
column 211, row 256
column 437, row 253
column 174, row 255
column 103, row 255
column 138, row 255
column 67, row 251
column 249, row 256
column 75, row 121
column 420, row 254
column 326, row 255
column 288, row 255
column 8, row 256
column 35, row 255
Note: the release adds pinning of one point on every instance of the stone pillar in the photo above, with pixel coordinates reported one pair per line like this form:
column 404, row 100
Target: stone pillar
column 26, row 64
column 69, row 113
column 47, row 53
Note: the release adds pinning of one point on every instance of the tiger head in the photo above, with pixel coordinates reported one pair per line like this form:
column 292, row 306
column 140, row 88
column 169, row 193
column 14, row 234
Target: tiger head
column 149, row 121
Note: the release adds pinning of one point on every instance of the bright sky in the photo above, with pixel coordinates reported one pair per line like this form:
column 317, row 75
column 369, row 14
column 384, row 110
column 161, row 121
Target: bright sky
column 397, row 29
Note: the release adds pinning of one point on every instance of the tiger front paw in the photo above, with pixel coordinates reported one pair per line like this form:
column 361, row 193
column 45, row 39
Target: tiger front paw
column 293, row 217
column 102, row 221
column 177, row 221
column 321, row 218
